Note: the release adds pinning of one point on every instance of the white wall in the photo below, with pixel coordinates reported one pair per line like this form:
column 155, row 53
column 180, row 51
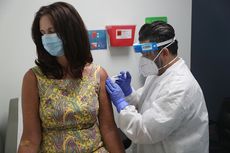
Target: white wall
column 17, row 51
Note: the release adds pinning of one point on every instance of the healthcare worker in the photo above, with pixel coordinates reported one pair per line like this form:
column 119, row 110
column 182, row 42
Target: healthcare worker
column 168, row 114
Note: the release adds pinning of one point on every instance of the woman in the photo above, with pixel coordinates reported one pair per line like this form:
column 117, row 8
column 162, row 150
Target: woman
column 64, row 100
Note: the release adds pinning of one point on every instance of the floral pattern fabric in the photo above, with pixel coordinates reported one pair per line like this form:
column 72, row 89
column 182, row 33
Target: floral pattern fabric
column 68, row 111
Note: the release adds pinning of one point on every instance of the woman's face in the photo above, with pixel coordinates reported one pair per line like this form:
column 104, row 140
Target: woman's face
column 46, row 26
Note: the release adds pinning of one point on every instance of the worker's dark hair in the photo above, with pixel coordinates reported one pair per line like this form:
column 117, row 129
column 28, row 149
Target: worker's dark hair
column 159, row 31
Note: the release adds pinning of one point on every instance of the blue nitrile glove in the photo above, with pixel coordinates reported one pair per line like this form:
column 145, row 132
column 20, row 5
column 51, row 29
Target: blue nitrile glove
column 116, row 94
column 124, row 80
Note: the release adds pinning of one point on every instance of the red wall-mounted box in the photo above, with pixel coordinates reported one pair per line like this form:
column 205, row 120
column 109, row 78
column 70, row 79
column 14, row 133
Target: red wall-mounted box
column 121, row 35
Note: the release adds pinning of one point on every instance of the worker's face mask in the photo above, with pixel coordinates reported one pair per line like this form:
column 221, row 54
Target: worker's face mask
column 149, row 67
column 53, row 44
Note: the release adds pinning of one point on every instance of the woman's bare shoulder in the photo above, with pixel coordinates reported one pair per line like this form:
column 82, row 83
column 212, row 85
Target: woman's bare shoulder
column 29, row 76
column 103, row 74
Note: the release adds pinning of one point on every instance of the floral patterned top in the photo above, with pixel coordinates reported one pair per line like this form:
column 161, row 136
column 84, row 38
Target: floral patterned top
column 68, row 111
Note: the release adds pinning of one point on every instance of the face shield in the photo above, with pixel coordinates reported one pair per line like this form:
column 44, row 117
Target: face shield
column 151, row 46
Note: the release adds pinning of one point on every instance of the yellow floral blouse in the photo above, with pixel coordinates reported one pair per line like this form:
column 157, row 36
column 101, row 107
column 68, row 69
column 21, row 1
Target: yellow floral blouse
column 68, row 112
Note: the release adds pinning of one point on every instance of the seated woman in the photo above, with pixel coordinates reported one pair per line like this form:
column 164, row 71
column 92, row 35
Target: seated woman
column 64, row 101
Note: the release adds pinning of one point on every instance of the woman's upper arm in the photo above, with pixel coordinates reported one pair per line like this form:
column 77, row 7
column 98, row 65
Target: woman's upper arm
column 107, row 124
column 105, row 107
column 30, row 109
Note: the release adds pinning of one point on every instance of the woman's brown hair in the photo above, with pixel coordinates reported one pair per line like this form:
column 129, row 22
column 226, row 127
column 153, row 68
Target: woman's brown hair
column 70, row 27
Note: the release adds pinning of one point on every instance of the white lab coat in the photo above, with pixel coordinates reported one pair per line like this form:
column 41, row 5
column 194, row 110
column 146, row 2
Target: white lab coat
column 168, row 114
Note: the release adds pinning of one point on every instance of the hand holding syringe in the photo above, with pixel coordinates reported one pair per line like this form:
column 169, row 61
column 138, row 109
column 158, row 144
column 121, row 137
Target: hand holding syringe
column 123, row 80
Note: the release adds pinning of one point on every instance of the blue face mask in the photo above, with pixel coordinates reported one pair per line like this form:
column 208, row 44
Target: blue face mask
column 53, row 44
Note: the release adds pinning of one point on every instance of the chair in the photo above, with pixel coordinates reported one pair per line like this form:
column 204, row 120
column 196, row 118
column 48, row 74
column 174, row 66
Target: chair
column 1, row 145
column 125, row 140
column 11, row 140
column 219, row 131
column 224, row 124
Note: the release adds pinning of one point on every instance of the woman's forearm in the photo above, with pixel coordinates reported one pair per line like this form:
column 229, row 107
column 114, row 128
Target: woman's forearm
column 27, row 146
column 113, row 141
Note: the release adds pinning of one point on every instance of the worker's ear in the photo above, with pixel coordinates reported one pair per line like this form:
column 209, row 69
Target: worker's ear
column 165, row 52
